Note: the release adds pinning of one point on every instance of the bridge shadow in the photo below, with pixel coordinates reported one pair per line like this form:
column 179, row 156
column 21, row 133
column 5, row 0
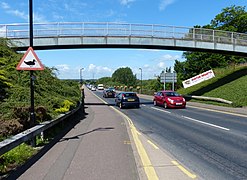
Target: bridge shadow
column 100, row 104
column 69, row 124
column 83, row 134
column 113, row 104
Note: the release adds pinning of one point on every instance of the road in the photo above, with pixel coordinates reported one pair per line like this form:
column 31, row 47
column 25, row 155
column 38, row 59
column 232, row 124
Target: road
column 211, row 144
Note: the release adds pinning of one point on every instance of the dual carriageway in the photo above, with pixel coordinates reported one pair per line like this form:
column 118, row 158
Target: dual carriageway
column 200, row 143
column 211, row 143
column 194, row 143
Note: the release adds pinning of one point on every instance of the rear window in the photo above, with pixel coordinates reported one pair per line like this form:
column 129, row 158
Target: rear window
column 129, row 94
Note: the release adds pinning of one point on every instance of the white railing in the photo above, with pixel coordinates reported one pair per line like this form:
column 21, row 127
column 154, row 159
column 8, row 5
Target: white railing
column 121, row 29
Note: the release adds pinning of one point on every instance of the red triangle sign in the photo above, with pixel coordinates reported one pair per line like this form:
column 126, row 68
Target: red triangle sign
column 30, row 61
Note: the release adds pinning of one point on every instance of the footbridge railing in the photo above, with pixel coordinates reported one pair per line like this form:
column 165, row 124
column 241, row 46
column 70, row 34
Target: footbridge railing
column 125, row 30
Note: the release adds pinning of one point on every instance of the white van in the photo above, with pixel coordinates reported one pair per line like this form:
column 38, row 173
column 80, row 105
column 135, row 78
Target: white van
column 100, row 87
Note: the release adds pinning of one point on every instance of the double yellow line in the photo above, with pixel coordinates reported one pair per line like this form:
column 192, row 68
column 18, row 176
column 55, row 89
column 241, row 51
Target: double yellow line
column 147, row 165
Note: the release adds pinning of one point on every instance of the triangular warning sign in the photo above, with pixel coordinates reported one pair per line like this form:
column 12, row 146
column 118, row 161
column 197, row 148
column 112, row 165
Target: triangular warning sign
column 30, row 61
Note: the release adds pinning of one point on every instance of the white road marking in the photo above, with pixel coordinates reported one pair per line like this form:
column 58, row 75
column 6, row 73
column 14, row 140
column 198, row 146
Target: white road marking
column 160, row 110
column 209, row 124
column 219, row 111
column 195, row 120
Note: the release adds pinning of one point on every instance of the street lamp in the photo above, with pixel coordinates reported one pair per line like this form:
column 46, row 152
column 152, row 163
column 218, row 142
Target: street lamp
column 141, row 79
column 81, row 75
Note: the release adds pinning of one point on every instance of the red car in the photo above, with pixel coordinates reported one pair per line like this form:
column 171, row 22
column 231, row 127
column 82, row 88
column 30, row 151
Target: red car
column 169, row 99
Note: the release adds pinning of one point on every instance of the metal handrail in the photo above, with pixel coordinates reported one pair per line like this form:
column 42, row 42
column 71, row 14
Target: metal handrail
column 12, row 142
column 57, row 29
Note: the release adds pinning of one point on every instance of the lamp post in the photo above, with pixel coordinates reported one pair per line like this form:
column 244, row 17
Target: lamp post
column 141, row 79
column 81, row 75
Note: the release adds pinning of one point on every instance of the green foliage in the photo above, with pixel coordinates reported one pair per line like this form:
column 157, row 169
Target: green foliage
column 234, row 91
column 15, row 157
column 153, row 84
column 105, row 81
column 228, row 83
column 49, row 92
column 66, row 106
column 233, row 18
column 124, row 76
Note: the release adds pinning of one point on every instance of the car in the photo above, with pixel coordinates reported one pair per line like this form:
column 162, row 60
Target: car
column 93, row 88
column 112, row 88
column 127, row 99
column 100, row 87
column 109, row 93
column 169, row 99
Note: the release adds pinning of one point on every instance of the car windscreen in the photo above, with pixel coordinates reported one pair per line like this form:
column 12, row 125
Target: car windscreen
column 172, row 94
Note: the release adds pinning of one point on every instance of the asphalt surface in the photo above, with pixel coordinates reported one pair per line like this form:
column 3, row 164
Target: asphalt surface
column 148, row 143
column 98, row 147
column 210, row 141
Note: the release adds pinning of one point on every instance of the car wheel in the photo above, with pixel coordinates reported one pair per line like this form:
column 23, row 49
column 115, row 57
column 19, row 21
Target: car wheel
column 155, row 103
column 138, row 106
column 165, row 105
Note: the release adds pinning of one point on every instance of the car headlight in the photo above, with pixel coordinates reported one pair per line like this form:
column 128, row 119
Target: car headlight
column 170, row 100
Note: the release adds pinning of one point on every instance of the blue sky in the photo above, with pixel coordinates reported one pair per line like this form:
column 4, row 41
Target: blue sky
column 103, row 62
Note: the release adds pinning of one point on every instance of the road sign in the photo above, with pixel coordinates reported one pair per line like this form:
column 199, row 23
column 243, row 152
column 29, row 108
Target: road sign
column 168, row 77
column 30, row 61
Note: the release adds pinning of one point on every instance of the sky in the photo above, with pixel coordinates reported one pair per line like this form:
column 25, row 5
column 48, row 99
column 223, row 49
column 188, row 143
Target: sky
column 97, row 63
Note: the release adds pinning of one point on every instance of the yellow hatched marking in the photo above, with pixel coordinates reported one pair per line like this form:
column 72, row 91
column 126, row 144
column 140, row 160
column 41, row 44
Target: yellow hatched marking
column 185, row 171
column 155, row 147
column 127, row 142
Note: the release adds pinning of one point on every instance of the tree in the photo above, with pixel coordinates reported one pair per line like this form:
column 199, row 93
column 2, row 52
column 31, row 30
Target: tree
column 233, row 18
column 124, row 76
column 107, row 81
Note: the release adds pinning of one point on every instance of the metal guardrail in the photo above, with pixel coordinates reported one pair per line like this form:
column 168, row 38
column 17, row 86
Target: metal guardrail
column 210, row 99
column 112, row 29
column 26, row 135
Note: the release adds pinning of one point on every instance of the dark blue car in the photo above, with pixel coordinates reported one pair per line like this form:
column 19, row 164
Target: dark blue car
column 127, row 99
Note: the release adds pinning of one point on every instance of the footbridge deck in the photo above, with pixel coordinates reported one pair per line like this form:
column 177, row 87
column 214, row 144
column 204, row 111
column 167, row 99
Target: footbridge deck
column 68, row 35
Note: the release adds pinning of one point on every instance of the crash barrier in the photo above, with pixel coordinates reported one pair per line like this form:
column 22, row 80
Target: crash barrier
column 208, row 98
column 28, row 134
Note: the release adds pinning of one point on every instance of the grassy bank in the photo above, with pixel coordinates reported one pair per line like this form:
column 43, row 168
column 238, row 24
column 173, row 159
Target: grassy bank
column 229, row 84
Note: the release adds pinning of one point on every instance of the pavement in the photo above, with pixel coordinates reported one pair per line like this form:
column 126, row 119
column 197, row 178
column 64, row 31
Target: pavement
column 106, row 145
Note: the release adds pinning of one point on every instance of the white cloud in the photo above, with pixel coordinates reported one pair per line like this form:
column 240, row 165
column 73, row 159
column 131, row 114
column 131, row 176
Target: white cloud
column 99, row 71
column 168, row 57
column 126, row 2
column 21, row 14
column 165, row 3
column 161, row 65
column 91, row 67
column 4, row 5
column 63, row 67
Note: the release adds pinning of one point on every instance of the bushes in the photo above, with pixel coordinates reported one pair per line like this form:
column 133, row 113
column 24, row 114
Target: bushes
column 15, row 157
column 66, row 106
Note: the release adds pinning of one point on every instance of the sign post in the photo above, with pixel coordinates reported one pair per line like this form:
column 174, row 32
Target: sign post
column 168, row 78
column 31, row 62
